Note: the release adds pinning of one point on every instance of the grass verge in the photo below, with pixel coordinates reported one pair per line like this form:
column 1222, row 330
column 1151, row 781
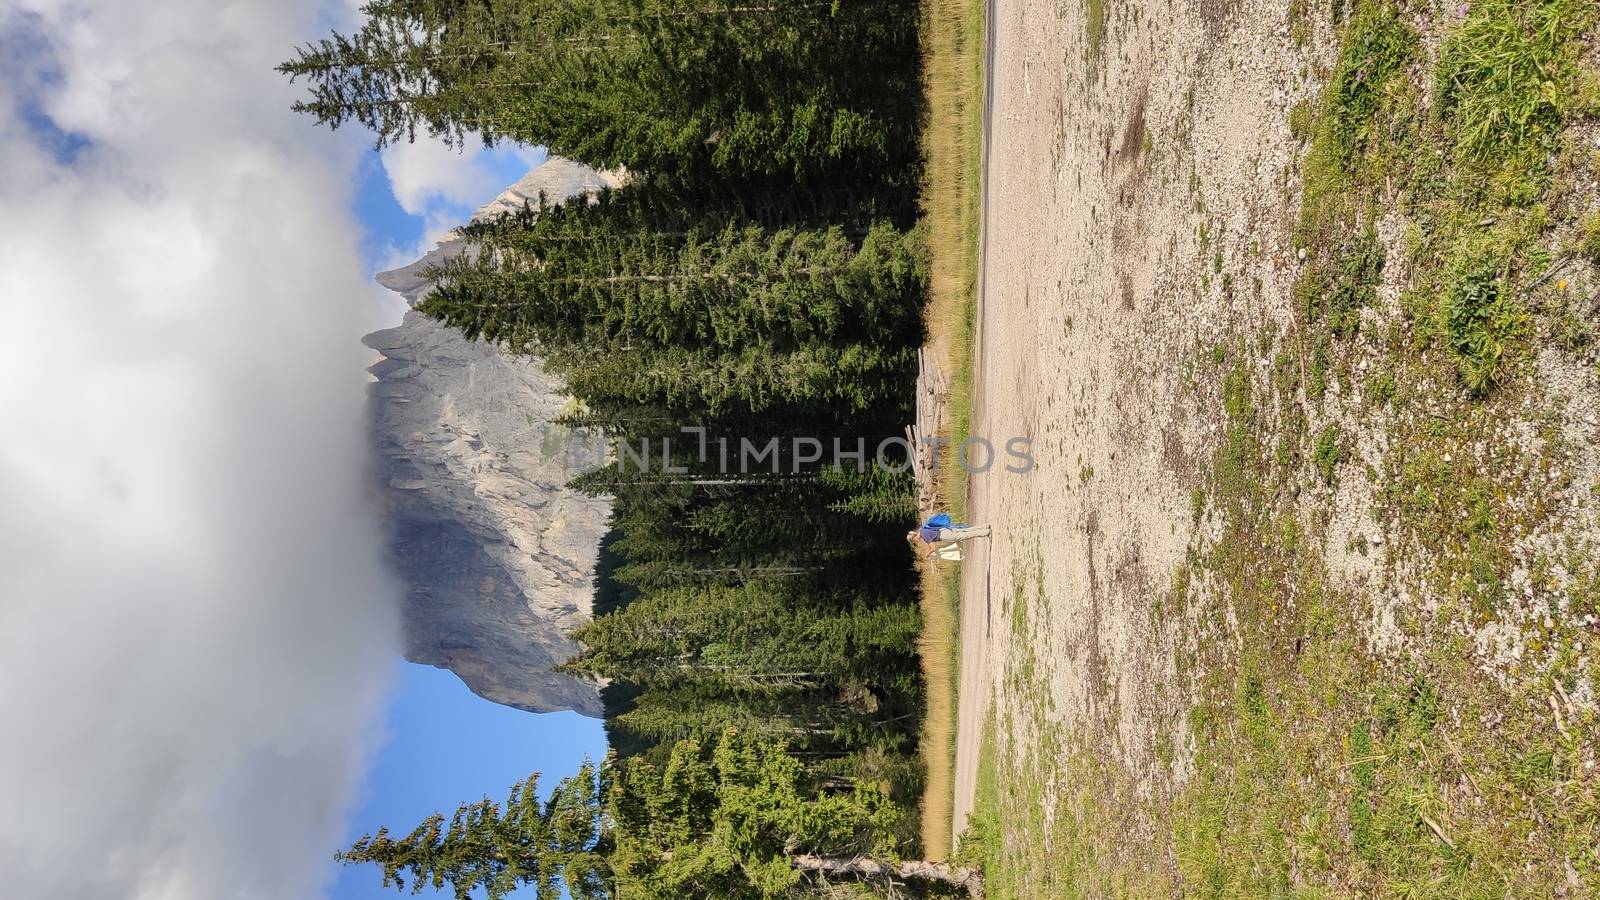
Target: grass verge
column 952, row 143
column 1322, row 767
column 1427, row 729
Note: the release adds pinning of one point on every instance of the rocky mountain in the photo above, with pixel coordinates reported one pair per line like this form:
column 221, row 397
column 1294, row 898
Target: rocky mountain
column 498, row 555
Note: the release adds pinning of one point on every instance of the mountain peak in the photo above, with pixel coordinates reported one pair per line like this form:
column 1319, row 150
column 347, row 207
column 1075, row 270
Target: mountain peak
column 497, row 553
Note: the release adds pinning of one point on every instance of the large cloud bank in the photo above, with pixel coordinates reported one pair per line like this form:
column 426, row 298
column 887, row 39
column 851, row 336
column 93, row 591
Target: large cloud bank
column 195, row 625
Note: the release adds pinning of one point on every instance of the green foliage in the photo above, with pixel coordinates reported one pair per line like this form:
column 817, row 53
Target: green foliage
column 1475, row 175
column 1589, row 237
column 1377, row 47
column 727, row 824
column 553, row 847
column 875, row 493
column 1301, row 121
column 758, row 275
column 1328, row 452
column 761, row 602
column 1361, row 104
column 692, row 86
column 1381, row 388
column 723, row 820
column 1478, row 315
column 618, row 272
column 1502, row 77
column 759, row 636
column 1336, row 292
column 1234, row 460
column 641, row 304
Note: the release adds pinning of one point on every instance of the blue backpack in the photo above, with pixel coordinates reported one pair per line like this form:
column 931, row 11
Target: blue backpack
column 937, row 520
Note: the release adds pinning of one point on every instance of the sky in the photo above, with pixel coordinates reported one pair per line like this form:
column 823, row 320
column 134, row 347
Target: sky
column 447, row 746
column 198, row 634
column 444, row 745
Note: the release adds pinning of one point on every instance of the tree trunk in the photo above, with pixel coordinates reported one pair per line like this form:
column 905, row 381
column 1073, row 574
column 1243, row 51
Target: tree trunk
column 969, row 880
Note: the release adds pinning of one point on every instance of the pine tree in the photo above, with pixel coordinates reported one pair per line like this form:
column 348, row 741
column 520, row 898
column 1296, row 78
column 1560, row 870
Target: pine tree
column 761, row 635
column 853, row 379
column 759, row 273
column 740, row 820
column 548, row 846
column 874, row 493
column 657, row 85
column 604, row 277
column 453, row 68
column 816, row 724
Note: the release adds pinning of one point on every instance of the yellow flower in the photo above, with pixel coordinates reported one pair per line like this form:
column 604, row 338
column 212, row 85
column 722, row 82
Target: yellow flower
column 1561, row 285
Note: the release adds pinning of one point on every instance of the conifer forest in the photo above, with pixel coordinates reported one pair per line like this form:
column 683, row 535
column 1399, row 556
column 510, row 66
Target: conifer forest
column 761, row 273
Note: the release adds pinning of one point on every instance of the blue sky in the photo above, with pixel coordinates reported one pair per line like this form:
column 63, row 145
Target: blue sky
column 408, row 196
column 442, row 744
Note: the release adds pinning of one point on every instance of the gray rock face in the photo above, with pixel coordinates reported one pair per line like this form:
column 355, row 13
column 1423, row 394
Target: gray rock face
column 497, row 553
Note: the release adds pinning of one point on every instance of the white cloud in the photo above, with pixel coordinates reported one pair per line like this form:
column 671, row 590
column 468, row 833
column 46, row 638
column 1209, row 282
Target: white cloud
column 195, row 626
column 444, row 187
column 428, row 173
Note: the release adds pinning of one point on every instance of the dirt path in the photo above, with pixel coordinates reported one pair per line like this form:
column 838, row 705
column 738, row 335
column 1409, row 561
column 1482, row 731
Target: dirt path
column 1284, row 522
column 1123, row 156
column 974, row 690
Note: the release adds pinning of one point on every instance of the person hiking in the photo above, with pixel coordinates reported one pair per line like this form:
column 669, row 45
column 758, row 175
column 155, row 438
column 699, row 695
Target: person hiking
column 938, row 528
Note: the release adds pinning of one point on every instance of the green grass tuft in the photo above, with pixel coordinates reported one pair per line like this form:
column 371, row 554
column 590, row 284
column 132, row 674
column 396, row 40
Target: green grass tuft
column 1479, row 316
column 1503, row 80
column 1328, row 453
column 1589, row 232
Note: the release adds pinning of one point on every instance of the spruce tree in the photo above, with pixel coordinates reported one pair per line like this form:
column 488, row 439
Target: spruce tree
column 739, row 819
column 602, row 277
column 691, row 86
column 762, row 635
column 497, row 849
column 853, row 379
column 451, row 68
column 816, row 724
